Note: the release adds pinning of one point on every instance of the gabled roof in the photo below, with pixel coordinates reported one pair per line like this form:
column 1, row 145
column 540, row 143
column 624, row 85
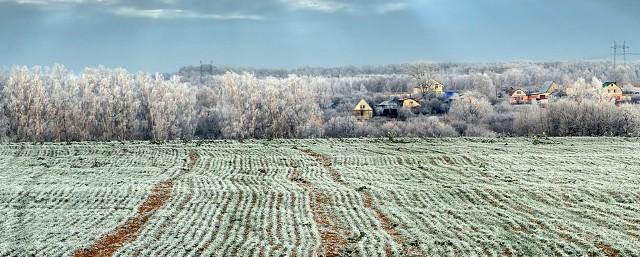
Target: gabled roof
column 363, row 106
column 407, row 99
column 609, row 83
column 513, row 91
column 546, row 86
column 391, row 103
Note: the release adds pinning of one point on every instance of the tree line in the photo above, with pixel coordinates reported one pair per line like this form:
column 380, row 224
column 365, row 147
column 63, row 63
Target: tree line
column 53, row 104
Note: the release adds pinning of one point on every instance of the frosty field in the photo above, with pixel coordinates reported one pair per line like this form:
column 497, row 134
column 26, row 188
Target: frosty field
column 355, row 197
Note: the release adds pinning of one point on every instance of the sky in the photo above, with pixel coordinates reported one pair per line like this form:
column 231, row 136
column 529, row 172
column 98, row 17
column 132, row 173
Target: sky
column 164, row 35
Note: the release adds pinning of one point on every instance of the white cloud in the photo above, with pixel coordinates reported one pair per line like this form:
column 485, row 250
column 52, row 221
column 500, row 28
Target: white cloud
column 352, row 6
column 179, row 14
column 317, row 5
column 390, row 7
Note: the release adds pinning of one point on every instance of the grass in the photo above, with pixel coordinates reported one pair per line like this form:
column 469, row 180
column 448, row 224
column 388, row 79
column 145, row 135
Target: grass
column 349, row 197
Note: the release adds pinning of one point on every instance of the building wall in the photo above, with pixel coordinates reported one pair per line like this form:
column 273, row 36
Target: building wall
column 362, row 114
column 518, row 97
column 553, row 87
column 614, row 92
column 439, row 89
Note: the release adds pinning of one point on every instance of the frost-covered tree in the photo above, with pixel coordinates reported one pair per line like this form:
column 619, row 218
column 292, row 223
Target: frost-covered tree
column 171, row 109
column 26, row 100
column 62, row 98
column 471, row 108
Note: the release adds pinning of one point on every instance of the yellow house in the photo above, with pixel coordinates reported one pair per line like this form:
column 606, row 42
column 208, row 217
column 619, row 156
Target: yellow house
column 410, row 103
column 570, row 91
column 613, row 91
column 362, row 110
column 432, row 86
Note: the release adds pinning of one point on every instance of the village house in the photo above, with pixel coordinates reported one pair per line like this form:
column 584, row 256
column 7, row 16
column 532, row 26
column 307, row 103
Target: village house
column 432, row 86
column 388, row 108
column 570, row 91
column 410, row 103
column 613, row 91
column 362, row 110
column 519, row 96
column 545, row 92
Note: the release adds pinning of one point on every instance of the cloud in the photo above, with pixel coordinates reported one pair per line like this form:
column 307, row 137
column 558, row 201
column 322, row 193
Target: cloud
column 317, row 5
column 352, row 6
column 58, row 2
column 390, row 7
column 220, row 10
column 179, row 14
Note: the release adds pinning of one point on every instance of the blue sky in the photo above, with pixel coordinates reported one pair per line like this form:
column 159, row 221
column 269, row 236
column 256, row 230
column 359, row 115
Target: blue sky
column 163, row 35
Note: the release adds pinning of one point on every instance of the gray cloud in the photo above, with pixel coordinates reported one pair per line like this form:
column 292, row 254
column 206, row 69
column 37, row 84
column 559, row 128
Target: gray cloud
column 60, row 2
column 222, row 9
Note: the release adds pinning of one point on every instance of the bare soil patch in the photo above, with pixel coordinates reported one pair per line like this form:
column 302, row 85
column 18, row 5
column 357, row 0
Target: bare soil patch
column 129, row 230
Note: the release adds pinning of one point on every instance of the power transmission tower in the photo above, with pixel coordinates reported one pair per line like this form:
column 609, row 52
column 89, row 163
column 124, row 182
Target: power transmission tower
column 624, row 49
column 205, row 68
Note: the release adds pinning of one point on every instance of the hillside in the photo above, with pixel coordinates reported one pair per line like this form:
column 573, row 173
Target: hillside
column 352, row 197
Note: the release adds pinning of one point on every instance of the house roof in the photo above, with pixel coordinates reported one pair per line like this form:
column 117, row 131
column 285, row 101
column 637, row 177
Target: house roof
column 609, row 83
column 513, row 91
column 388, row 103
column 546, row 86
column 408, row 99
column 450, row 93
column 361, row 103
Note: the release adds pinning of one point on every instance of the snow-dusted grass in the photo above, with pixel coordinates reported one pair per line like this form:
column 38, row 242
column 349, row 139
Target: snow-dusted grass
column 445, row 197
column 56, row 198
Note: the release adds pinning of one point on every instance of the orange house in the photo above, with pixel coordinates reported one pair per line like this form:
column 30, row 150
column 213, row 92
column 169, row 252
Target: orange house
column 545, row 92
column 518, row 96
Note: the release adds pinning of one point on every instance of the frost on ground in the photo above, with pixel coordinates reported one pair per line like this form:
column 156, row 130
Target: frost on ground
column 356, row 197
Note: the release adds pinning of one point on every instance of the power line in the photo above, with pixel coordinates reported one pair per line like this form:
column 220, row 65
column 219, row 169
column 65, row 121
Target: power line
column 205, row 68
column 624, row 49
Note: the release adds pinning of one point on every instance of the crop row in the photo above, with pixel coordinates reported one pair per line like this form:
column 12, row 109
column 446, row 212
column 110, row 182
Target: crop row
column 57, row 198
column 437, row 197
column 507, row 196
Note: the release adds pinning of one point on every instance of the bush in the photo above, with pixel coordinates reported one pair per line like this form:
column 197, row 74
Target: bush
column 478, row 131
column 501, row 122
column 428, row 127
column 340, row 127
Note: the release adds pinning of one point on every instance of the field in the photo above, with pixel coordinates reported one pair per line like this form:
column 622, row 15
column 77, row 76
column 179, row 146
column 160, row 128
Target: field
column 357, row 197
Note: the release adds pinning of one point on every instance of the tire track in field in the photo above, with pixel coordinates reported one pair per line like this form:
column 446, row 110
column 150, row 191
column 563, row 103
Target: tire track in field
column 129, row 230
column 387, row 225
column 333, row 237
